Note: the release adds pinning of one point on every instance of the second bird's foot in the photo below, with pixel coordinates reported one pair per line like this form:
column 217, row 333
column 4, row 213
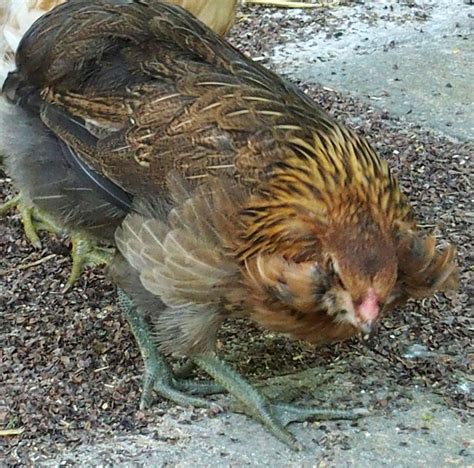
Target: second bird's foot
column 85, row 253
column 33, row 219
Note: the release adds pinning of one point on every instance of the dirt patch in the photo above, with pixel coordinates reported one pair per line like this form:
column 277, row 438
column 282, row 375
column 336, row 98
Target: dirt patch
column 70, row 371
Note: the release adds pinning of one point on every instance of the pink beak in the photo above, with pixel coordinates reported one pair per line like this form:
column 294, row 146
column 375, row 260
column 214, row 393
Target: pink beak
column 368, row 311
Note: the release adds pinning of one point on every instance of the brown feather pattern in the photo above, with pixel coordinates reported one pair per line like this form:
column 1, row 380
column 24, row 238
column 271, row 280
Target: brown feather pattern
column 267, row 207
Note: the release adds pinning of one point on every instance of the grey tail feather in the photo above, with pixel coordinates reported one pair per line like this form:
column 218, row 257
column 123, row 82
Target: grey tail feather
column 111, row 192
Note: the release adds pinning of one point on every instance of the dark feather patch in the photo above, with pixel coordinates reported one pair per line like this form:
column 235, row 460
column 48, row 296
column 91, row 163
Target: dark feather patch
column 110, row 191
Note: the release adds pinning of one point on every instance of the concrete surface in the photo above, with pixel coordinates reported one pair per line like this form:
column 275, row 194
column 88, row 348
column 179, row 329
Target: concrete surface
column 420, row 431
column 416, row 67
column 424, row 436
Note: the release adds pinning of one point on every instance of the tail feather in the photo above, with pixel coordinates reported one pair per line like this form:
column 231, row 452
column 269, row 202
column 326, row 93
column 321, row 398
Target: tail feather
column 424, row 269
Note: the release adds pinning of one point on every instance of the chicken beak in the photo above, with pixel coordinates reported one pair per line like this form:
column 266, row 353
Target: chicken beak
column 367, row 312
column 366, row 329
column 367, row 332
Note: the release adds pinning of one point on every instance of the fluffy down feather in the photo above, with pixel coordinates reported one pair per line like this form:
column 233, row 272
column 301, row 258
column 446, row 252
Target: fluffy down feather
column 181, row 256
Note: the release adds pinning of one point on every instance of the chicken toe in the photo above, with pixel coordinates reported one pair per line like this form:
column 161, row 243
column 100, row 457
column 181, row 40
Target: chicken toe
column 33, row 219
column 288, row 414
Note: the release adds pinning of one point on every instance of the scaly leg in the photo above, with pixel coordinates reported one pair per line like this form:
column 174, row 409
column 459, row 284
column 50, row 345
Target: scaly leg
column 273, row 416
column 159, row 376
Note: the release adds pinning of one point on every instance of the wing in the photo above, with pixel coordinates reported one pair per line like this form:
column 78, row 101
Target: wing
column 52, row 177
column 182, row 256
column 161, row 91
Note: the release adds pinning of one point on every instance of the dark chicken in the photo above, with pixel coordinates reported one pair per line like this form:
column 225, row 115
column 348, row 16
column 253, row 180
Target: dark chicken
column 15, row 19
column 246, row 199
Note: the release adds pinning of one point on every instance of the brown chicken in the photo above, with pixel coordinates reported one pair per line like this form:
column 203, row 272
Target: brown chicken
column 246, row 199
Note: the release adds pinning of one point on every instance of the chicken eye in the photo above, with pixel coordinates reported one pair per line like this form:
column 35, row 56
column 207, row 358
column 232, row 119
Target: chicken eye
column 333, row 274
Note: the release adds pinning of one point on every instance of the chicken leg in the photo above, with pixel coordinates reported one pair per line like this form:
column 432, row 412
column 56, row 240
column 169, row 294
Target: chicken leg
column 159, row 375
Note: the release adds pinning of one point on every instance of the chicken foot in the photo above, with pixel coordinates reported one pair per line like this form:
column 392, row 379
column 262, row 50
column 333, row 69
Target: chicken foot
column 274, row 416
column 33, row 219
column 159, row 376
column 83, row 252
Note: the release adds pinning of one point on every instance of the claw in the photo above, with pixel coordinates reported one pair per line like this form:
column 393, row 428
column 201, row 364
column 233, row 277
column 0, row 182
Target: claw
column 85, row 253
column 274, row 416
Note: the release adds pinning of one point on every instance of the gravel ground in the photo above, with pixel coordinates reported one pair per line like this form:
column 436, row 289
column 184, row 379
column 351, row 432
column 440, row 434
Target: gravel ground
column 70, row 371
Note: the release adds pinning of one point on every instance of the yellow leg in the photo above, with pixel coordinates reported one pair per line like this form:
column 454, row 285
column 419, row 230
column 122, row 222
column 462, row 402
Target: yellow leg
column 85, row 253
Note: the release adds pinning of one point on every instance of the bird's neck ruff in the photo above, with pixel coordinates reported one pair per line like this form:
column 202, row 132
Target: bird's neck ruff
column 328, row 182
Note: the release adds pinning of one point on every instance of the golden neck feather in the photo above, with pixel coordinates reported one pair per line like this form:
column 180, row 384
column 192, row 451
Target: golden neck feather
column 328, row 181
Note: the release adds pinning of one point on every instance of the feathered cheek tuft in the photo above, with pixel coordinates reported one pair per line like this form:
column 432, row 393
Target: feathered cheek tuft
column 339, row 307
